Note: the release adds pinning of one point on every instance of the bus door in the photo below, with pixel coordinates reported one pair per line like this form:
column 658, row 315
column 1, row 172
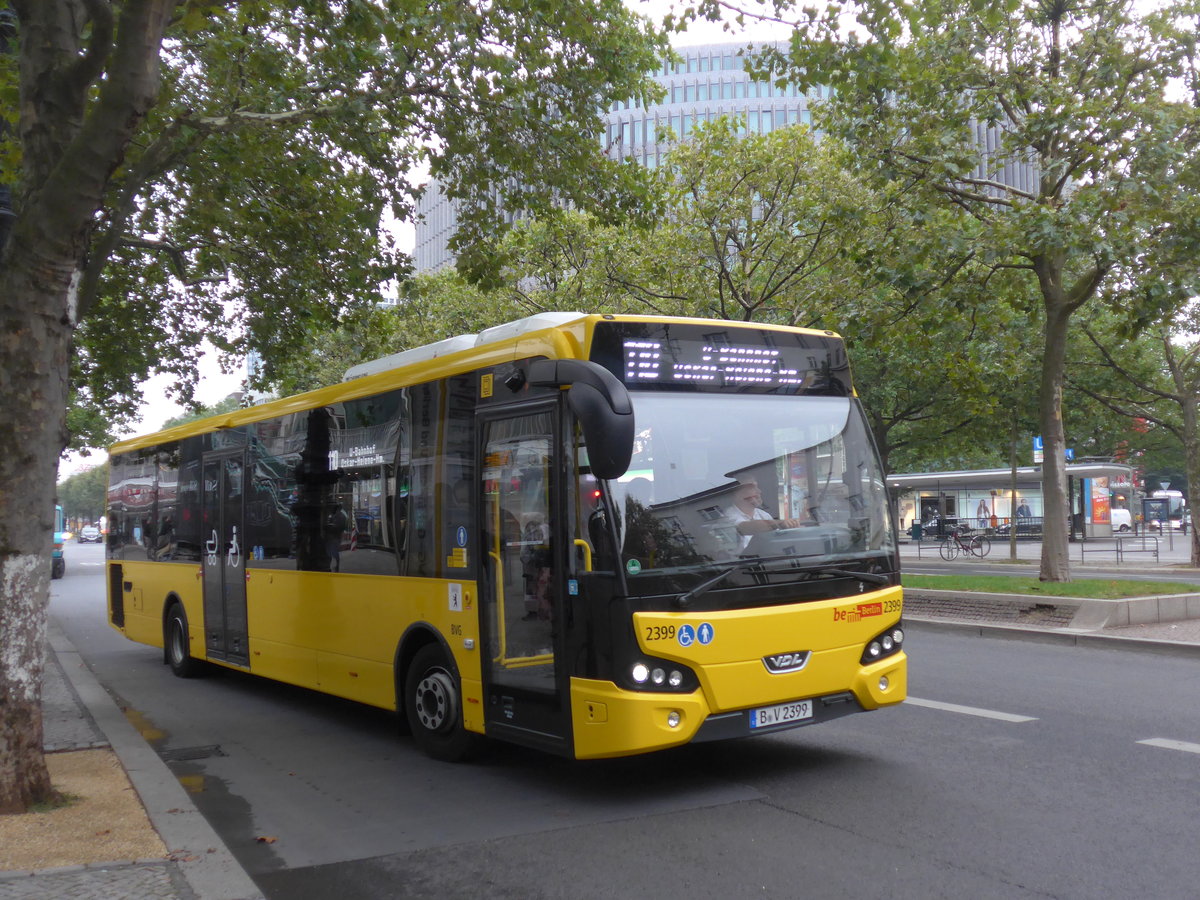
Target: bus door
column 522, row 587
column 224, row 556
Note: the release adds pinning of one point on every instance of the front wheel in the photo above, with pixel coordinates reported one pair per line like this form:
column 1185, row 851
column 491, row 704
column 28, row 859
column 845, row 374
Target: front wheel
column 948, row 549
column 980, row 546
column 433, row 704
column 177, row 646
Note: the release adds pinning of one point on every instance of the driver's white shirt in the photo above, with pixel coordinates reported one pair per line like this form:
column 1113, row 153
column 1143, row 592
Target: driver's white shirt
column 737, row 517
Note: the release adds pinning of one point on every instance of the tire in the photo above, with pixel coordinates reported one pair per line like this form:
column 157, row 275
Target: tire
column 981, row 546
column 948, row 549
column 1123, row 529
column 176, row 646
column 433, row 706
column 58, row 567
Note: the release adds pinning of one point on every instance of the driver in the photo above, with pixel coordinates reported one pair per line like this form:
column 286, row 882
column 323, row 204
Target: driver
column 748, row 515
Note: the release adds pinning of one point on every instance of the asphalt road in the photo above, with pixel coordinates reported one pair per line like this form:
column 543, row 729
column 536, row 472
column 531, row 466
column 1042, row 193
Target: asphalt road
column 1019, row 769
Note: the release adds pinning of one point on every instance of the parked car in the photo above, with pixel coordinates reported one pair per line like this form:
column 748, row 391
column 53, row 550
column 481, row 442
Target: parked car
column 1031, row 527
column 1122, row 519
column 89, row 534
column 934, row 527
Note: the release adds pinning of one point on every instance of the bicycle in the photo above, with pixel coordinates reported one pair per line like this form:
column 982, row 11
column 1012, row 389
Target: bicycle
column 958, row 543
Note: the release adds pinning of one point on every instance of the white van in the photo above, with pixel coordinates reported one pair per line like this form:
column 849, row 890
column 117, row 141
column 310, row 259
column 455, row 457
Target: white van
column 1122, row 519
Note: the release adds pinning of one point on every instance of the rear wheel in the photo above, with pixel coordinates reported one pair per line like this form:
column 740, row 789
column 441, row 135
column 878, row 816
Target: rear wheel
column 433, row 704
column 948, row 549
column 177, row 644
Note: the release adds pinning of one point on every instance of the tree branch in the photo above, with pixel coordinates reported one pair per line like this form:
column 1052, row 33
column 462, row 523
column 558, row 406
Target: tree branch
column 90, row 66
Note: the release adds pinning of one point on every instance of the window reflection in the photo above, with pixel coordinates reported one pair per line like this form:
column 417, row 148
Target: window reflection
column 723, row 477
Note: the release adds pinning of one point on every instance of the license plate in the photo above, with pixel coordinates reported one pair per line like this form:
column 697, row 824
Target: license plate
column 765, row 716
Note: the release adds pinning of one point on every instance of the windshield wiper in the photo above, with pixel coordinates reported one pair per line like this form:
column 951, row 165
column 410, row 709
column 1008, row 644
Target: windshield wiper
column 846, row 573
column 684, row 600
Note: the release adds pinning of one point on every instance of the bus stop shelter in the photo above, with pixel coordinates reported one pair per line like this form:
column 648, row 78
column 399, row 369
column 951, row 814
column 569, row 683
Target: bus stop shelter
column 995, row 501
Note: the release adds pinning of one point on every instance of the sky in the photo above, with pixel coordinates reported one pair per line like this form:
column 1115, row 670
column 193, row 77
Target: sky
column 710, row 32
column 214, row 385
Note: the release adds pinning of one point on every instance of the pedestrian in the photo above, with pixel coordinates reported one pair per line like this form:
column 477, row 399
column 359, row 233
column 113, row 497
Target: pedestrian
column 335, row 527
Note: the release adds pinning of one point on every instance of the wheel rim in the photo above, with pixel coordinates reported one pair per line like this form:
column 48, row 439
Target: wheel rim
column 435, row 700
column 178, row 641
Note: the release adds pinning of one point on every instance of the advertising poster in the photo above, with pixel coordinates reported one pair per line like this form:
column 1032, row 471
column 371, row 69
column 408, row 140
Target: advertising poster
column 1100, row 502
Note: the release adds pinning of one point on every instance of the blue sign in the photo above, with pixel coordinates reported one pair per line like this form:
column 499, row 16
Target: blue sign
column 687, row 635
column 705, row 633
column 1070, row 453
column 462, row 536
column 1037, row 443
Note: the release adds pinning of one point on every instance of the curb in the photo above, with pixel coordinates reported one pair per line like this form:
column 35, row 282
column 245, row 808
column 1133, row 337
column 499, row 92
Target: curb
column 207, row 865
column 1061, row 637
column 1087, row 613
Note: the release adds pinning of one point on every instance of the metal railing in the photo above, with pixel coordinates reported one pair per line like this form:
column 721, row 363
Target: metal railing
column 1142, row 543
column 1142, row 540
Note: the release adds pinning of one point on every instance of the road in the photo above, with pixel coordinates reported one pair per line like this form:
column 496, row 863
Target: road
column 1020, row 769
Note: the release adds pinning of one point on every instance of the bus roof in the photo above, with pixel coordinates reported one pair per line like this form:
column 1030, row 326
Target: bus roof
column 556, row 335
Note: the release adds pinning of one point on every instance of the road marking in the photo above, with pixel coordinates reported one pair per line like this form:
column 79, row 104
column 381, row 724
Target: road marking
column 970, row 710
column 1168, row 744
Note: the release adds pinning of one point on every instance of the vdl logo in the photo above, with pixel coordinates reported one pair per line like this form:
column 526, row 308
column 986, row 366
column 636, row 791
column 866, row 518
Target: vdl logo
column 782, row 663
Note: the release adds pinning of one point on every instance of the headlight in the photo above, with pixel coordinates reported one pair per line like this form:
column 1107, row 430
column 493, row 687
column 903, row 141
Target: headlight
column 650, row 674
column 884, row 645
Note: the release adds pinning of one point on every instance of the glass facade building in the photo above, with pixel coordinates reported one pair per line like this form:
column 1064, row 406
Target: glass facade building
column 707, row 81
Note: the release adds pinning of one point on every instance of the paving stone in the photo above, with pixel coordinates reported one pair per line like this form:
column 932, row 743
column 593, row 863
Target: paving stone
column 143, row 881
column 66, row 723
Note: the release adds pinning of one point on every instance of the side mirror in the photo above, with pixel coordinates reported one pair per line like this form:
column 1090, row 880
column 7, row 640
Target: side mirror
column 602, row 405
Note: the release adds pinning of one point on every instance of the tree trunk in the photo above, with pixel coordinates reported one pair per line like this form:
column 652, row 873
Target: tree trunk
column 87, row 81
column 1192, row 453
column 1055, row 502
column 34, row 335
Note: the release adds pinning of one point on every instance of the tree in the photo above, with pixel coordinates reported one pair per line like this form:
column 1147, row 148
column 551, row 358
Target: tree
column 1075, row 94
column 189, row 169
column 229, row 404
column 779, row 228
column 84, row 495
column 1157, row 383
column 429, row 308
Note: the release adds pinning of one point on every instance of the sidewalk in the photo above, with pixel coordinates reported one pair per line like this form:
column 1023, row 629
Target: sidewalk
column 78, row 714
column 1174, row 550
column 1155, row 622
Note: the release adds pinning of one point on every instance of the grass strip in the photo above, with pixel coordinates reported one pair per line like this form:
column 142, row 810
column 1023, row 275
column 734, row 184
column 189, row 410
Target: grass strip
column 1098, row 588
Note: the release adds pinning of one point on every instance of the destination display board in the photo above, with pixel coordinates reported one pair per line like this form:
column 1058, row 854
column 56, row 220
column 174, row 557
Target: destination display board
column 729, row 358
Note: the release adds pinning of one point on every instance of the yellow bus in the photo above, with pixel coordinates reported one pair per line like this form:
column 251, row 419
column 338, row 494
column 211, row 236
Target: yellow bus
column 595, row 535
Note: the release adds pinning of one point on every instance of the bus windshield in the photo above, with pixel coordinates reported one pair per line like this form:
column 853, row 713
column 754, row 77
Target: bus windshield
column 722, row 478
